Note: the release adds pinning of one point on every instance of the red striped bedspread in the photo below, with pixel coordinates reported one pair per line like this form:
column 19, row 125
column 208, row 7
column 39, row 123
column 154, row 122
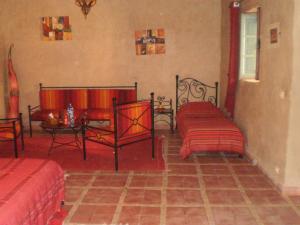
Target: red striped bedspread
column 204, row 128
column 31, row 191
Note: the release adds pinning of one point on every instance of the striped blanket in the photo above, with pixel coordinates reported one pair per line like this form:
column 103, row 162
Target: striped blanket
column 31, row 191
column 204, row 128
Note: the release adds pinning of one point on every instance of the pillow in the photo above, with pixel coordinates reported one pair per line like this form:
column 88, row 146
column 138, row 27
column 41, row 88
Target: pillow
column 198, row 109
column 197, row 106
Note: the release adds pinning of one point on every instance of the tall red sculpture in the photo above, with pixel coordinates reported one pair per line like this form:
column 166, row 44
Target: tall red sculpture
column 13, row 87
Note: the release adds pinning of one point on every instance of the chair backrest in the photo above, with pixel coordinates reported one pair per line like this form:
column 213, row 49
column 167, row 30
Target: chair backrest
column 10, row 127
column 133, row 121
column 53, row 99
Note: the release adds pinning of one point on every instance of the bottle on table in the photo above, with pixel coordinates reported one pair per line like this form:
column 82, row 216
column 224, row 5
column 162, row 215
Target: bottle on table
column 65, row 117
column 70, row 111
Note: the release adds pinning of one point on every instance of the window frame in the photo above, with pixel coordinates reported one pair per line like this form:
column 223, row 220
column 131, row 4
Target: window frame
column 254, row 76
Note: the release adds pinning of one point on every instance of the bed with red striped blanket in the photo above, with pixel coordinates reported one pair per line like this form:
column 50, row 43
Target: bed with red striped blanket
column 204, row 128
column 32, row 191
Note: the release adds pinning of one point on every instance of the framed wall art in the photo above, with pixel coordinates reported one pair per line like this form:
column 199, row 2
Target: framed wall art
column 149, row 42
column 56, row 28
column 274, row 32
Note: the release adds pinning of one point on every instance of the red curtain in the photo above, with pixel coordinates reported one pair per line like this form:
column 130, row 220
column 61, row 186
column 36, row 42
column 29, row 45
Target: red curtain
column 234, row 57
column 13, row 101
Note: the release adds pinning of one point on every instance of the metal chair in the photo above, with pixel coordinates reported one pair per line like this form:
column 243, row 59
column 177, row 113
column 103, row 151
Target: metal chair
column 10, row 130
column 132, row 122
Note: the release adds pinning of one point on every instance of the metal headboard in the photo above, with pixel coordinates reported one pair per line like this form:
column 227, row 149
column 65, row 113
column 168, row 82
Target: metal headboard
column 191, row 90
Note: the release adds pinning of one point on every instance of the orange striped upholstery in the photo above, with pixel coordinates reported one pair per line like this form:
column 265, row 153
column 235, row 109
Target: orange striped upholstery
column 95, row 104
column 83, row 99
column 52, row 99
column 133, row 123
column 101, row 98
column 204, row 128
column 6, row 130
column 78, row 98
column 127, row 96
column 133, row 119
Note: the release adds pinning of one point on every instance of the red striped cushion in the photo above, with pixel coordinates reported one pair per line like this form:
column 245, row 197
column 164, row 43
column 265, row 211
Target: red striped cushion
column 210, row 134
column 53, row 99
column 101, row 98
column 126, row 96
column 8, row 133
column 78, row 98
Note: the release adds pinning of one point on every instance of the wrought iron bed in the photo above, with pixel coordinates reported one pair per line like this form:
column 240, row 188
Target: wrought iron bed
column 201, row 124
column 190, row 89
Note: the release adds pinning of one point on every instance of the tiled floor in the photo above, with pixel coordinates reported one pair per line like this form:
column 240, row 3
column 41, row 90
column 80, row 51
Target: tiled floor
column 203, row 190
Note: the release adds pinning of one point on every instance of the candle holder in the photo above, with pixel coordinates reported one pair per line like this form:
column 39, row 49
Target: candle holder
column 85, row 6
column 160, row 100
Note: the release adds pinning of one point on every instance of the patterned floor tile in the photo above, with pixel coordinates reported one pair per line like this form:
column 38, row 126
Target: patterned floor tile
column 246, row 170
column 146, row 181
column 261, row 197
column 87, row 214
column 102, row 196
column 142, row 196
column 278, row 216
column 183, row 182
column 78, row 180
column 233, row 192
column 237, row 160
column 210, row 160
column 72, row 194
column 138, row 215
column 110, row 180
column 233, row 216
column 255, row 182
column 215, row 169
column 177, row 159
column 186, row 216
column 184, row 197
column 228, row 197
column 182, row 169
column 219, row 182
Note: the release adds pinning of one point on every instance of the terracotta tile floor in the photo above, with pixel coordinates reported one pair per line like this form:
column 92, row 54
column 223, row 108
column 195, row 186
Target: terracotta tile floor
column 202, row 190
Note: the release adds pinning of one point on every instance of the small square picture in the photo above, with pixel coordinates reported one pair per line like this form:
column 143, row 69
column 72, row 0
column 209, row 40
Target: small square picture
column 274, row 32
column 274, row 35
column 56, row 28
column 149, row 42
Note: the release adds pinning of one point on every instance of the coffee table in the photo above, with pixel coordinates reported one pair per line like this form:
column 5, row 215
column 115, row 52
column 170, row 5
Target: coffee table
column 55, row 129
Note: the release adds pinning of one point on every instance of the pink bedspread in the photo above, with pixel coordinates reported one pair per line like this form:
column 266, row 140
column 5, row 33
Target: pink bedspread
column 31, row 191
column 204, row 128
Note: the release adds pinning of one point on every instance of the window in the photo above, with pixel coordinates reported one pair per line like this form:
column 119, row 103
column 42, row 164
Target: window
column 249, row 49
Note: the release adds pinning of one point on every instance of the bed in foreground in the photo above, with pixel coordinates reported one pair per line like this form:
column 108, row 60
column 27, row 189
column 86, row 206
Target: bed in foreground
column 32, row 191
column 202, row 126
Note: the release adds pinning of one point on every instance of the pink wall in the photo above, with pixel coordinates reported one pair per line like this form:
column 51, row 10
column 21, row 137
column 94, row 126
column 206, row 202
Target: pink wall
column 262, row 108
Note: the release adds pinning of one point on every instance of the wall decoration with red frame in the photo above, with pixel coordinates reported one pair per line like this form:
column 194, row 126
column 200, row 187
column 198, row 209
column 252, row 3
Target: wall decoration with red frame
column 274, row 35
column 56, row 28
